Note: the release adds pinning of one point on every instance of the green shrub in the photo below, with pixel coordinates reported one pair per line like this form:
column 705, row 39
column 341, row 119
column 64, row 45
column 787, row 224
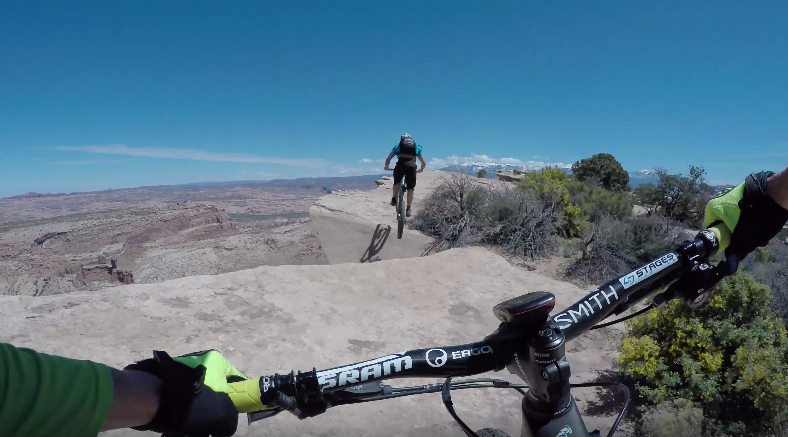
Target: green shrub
column 677, row 197
column 549, row 186
column 596, row 202
column 730, row 357
column 676, row 418
column 481, row 174
column 769, row 265
column 602, row 170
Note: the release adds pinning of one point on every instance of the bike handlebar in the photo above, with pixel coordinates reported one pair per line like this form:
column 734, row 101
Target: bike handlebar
column 274, row 392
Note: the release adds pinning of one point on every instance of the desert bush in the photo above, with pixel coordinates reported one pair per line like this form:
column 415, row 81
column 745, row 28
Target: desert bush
column 461, row 212
column 605, row 252
column 596, row 202
column 678, row 197
column 602, row 170
column 549, row 186
column 769, row 265
column 614, row 247
column 519, row 223
column 675, row 418
column 730, row 358
column 452, row 211
column 481, row 174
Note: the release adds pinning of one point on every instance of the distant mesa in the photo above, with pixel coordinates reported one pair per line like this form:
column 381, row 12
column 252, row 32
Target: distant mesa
column 510, row 176
column 33, row 195
column 105, row 270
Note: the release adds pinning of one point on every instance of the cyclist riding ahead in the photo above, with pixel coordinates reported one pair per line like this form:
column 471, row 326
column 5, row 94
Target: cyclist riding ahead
column 406, row 151
column 42, row 395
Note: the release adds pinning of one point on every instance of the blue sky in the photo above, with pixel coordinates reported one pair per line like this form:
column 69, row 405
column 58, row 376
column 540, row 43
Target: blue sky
column 113, row 94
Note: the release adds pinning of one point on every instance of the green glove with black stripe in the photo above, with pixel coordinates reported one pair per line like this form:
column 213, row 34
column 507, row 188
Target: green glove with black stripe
column 196, row 399
column 749, row 212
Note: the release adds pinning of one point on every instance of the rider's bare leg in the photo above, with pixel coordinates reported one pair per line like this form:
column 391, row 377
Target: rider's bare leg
column 410, row 197
column 394, row 196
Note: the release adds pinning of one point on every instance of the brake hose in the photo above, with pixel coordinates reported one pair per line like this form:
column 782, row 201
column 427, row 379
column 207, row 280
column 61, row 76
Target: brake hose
column 446, row 395
column 633, row 315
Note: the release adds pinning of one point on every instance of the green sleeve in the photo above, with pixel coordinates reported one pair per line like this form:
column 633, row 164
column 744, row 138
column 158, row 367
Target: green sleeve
column 46, row 395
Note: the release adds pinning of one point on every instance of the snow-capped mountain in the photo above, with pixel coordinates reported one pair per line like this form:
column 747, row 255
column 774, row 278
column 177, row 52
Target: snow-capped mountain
column 490, row 167
column 643, row 173
column 642, row 177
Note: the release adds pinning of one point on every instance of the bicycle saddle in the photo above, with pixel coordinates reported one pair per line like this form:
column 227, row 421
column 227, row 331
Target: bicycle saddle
column 528, row 309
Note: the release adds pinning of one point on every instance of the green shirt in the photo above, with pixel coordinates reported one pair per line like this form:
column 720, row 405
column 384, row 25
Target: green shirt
column 46, row 395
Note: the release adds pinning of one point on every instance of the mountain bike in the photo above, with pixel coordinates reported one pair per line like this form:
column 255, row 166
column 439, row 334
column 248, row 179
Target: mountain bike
column 401, row 215
column 529, row 342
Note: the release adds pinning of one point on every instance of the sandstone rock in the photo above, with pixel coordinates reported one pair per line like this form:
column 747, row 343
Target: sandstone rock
column 274, row 319
column 509, row 176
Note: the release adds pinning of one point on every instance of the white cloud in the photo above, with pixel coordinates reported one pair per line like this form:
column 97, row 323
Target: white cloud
column 196, row 155
column 366, row 161
column 97, row 162
column 484, row 159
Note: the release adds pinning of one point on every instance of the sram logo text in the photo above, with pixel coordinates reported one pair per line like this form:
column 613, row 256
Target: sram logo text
column 361, row 372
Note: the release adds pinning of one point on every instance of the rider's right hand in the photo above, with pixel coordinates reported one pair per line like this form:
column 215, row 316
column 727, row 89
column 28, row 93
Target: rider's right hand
column 386, row 168
column 194, row 398
column 749, row 212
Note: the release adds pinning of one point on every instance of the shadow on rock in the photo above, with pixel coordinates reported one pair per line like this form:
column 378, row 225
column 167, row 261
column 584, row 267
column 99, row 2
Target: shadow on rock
column 610, row 399
column 379, row 238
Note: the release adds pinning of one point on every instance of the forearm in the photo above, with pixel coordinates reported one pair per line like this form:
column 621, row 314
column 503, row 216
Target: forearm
column 777, row 188
column 388, row 161
column 135, row 399
column 423, row 162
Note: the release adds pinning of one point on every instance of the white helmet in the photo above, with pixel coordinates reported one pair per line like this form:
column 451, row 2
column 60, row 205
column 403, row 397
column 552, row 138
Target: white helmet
column 403, row 136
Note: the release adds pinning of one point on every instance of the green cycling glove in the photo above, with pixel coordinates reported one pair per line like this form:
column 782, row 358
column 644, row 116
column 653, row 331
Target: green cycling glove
column 194, row 399
column 749, row 212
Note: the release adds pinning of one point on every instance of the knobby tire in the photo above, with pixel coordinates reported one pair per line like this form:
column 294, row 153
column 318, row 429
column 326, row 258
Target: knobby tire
column 401, row 211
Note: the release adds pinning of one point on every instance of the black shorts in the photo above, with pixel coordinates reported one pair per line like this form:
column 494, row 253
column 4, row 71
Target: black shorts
column 407, row 170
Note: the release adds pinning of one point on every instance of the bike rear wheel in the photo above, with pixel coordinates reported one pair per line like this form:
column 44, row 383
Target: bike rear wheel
column 401, row 209
column 400, row 216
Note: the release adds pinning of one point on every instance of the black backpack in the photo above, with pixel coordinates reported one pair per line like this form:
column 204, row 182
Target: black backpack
column 407, row 147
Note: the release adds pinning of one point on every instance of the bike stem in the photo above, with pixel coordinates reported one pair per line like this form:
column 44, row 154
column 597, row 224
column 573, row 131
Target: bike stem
column 539, row 359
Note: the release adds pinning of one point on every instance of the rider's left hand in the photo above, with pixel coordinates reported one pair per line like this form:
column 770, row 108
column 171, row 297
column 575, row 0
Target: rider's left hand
column 420, row 170
column 194, row 399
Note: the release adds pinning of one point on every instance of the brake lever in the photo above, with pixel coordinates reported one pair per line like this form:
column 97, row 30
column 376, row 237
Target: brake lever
column 260, row 415
column 697, row 287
